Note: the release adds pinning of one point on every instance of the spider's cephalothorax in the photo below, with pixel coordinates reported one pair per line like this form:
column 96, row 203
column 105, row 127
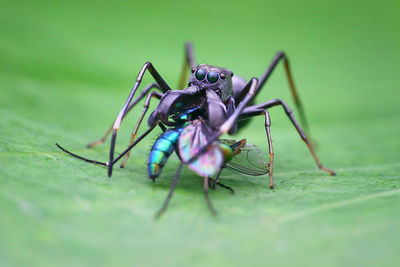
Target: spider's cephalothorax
column 206, row 77
column 193, row 119
column 209, row 88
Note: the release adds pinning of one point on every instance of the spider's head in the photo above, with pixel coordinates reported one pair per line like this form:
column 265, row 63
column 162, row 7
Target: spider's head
column 212, row 78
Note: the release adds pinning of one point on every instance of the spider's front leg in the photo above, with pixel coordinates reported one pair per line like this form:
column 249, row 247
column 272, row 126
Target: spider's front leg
column 189, row 62
column 142, row 94
column 110, row 163
column 117, row 123
column 153, row 94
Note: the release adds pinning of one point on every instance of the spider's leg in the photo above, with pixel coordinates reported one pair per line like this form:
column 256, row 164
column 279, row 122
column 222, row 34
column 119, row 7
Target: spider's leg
column 117, row 123
column 107, row 164
column 82, row 158
column 134, row 133
column 115, row 160
column 205, row 190
column 255, row 111
column 142, row 94
column 189, row 61
column 260, row 109
column 133, row 145
column 171, row 192
column 281, row 56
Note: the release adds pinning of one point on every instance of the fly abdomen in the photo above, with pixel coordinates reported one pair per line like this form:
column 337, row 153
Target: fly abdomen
column 161, row 150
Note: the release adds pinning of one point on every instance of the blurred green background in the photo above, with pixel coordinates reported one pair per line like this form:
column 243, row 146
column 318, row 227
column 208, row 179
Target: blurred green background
column 66, row 68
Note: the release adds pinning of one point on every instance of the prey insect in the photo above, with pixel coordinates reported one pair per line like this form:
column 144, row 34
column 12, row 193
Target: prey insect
column 215, row 102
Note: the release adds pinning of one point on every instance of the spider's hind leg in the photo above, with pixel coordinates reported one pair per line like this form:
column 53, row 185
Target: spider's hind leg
column 279, row 57
column 256, row 111
column 261, row 109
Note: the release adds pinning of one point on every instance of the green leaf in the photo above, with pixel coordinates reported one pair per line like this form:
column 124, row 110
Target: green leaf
column 66, row 70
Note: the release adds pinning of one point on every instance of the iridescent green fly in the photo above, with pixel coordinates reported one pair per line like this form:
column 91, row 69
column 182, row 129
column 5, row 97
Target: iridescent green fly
column 192, row 119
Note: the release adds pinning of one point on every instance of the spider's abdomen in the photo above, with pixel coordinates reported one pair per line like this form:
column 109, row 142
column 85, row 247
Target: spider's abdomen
column 161, row 150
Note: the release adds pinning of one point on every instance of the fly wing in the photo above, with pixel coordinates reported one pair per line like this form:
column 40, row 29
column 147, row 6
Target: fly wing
column 249, row 159
column 191, row 140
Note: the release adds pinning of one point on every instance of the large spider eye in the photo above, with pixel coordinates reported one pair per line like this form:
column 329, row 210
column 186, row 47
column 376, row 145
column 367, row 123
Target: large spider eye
column 212, row 77
column 200, row 74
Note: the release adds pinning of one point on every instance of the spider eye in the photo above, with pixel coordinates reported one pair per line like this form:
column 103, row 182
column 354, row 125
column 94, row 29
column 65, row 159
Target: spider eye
column 200, row 74
column 222, row 75
column 212, row 77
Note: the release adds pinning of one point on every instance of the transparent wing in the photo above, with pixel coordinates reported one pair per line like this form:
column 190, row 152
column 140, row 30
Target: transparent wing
column 250, row 159
column 191, row 140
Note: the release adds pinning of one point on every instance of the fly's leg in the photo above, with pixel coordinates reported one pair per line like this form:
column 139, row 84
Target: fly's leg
column 210, row 206
column 218, row 175
column 260, row 108
column 134, row 133
column 142, row 94
column 212, row 183
column 117, row 123
column 189, row 61
column 215, row 182
column 171, row 192
column 226, row 187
